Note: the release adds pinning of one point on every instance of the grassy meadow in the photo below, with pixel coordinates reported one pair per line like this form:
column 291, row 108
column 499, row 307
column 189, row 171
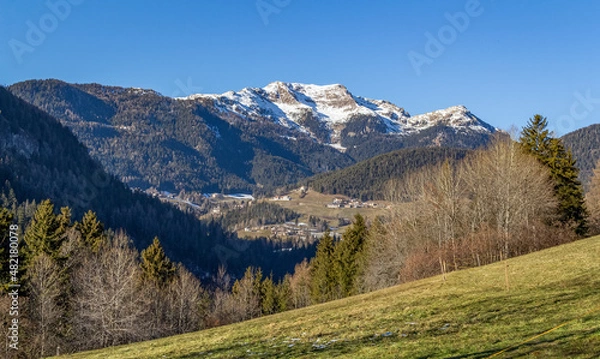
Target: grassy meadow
column 473, row 313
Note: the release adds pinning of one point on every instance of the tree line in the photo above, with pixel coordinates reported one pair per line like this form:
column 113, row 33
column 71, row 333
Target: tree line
column 85, row 286
column 257, row 214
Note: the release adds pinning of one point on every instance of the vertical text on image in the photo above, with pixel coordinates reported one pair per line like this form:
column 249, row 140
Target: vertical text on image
column 13, row 287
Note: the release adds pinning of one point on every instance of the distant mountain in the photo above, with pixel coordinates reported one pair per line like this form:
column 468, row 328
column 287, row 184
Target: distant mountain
column 367, row 179
column 251, row 140
column 40, row 158
column 585, row 145
column 333, row 116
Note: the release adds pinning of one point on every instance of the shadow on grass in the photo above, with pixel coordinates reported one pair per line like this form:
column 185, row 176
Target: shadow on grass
column 562, row 346
column 344, row 347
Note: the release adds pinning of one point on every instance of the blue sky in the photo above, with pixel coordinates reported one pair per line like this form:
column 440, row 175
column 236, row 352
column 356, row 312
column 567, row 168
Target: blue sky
column 504, row 60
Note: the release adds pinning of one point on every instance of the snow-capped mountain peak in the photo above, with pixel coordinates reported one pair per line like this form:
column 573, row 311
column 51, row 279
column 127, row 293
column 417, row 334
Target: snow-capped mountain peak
column 325, row 111
column 458, row 117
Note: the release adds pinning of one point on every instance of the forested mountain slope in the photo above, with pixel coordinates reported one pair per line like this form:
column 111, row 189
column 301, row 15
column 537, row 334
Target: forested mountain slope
column 585, row 145
column 367, row 179
column 251, row 140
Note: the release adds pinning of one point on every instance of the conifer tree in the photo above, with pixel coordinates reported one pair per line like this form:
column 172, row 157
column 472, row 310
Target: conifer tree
column 349, row 255
column 323, row 279
column 92, row 231
column 535, row 137
column 268, row 296
column 257, row 282
column 283, row 293
column 537, row 140
column 568, row 188
column 156, row 266
column 46, row 274
column 64, row 219
column 46, row 232
column 8, row 198
column 6, row 218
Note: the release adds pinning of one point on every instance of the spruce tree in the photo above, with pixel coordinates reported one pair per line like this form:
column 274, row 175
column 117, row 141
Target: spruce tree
column 92, row 232
column 64, row 219
column 268, row 296
column 568, row 188
column 45, row 233
column 6, row 218
column 537, row 140
column 322, row 277
column 156, row 266
column 350, row 256
column 283, row 293
column 46, row 272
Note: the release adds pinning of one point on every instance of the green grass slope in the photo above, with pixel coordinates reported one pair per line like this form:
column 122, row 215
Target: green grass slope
column 470, row 315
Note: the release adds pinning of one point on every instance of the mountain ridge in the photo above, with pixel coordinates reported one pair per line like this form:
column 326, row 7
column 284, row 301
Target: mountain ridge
column 296, row 104
column 241, row 141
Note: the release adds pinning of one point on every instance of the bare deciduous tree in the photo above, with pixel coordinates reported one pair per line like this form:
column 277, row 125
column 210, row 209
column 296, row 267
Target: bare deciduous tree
column 495, row 204
column 386, row 254
column 45, row 312
column 510, row 190
column 185, row 302
column 109, row 302
column 220, row 305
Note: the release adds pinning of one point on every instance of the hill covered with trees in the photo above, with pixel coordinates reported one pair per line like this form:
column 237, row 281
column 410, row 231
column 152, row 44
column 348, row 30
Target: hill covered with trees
column 367, row 179
column 585, row 146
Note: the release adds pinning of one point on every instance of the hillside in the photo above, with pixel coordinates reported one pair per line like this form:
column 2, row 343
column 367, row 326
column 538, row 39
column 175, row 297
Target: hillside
column 367, row 179
column 251, row 140
column 550, row 311
column 42, row 159
column 585, row 145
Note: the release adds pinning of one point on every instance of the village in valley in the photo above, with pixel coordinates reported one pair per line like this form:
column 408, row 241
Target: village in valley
column 318, row 212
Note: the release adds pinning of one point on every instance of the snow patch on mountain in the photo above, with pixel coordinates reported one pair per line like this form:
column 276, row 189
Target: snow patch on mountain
column 457, row 117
